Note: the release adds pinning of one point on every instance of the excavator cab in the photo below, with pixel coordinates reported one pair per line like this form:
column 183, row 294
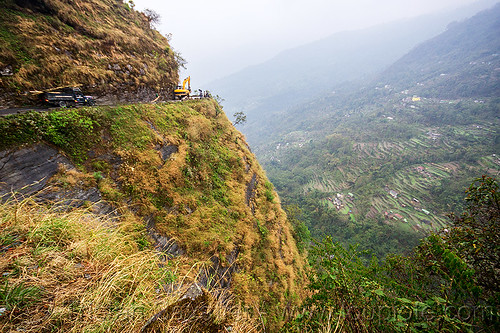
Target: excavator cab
column 181, row 92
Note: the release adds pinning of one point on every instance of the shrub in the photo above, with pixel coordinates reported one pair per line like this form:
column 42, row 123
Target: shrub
column 268, row 193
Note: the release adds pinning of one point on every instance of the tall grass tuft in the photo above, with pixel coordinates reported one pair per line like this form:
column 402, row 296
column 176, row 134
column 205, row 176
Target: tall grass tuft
column 69, row 271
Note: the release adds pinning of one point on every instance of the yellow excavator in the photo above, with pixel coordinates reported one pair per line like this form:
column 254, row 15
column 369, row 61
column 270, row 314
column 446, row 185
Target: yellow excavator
column 181, row 91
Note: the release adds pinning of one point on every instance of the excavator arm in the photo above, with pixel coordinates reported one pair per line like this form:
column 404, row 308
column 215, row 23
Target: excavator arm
column 188, row 81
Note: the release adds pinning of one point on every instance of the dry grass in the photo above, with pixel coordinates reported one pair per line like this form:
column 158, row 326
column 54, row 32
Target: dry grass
column 103, row 45
column 92, row 278
column 211, row 218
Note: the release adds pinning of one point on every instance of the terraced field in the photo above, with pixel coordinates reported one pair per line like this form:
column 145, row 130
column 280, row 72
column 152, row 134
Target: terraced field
column 412, row 186
column 412, row 180
column 323, row 183
column 406, row 175
column 491, row 164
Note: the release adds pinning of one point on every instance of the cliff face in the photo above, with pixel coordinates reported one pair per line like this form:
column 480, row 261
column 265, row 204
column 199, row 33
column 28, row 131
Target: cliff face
column 105, row 45
column 179, row 168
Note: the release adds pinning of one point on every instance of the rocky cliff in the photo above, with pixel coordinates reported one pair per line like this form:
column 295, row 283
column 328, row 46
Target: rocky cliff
column 198, row 199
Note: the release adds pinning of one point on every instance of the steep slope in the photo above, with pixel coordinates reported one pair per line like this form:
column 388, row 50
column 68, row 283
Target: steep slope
column 104, row 45
column 404, row 145
column 184, row 177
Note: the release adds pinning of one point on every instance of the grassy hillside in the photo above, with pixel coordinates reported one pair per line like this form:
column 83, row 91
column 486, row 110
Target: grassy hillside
column 68, row 272
column 178, row 170
column 105, row 45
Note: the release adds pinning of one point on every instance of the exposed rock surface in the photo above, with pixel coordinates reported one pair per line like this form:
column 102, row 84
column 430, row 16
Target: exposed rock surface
column 194, row 303
column 219, row 275
column 167, row 150
column 27, row 170
column 250, row 193
column 166, row 245
column 78, row 197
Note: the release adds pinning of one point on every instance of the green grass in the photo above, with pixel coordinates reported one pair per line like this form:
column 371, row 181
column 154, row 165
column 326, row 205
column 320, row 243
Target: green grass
column 18, row 295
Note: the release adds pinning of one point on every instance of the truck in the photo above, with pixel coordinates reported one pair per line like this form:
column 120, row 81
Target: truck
column 66, row 97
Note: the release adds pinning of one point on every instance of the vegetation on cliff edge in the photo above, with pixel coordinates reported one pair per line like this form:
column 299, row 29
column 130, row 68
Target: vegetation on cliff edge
column 184, row 170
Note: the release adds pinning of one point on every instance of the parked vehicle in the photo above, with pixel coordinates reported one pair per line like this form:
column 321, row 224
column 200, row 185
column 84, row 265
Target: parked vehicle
column 66, row 97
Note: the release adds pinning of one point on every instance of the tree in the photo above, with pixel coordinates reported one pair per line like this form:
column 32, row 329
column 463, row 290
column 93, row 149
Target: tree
column 218, row 107
column 448, row 284
column 300, row 232
column 240, row 118
column 181, row 62
column 152, row 17
column 476, row 233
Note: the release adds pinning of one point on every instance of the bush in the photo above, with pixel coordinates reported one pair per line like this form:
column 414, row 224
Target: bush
column 268, row 193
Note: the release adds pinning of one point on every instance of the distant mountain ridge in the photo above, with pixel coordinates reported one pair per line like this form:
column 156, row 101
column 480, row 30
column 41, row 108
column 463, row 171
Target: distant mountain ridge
column 299, row 74
column 464, row 61
column 461, row 62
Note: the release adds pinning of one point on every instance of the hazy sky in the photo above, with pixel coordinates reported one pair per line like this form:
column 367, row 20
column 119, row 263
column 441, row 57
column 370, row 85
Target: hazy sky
column 219, row 37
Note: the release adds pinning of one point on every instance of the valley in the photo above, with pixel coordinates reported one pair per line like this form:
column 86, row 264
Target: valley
column 402, row 167
column 385, row 158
